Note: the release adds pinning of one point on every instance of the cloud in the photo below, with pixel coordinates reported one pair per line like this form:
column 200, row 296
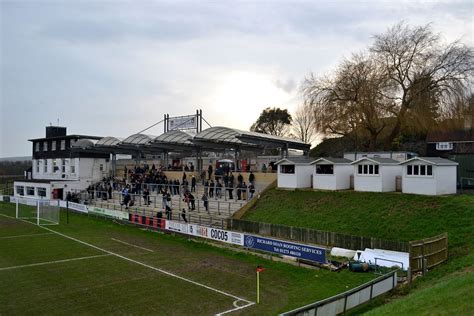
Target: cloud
column 288, row 86
column 113, row 68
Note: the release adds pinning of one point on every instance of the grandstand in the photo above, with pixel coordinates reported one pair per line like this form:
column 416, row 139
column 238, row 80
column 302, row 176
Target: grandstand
column 219, row 209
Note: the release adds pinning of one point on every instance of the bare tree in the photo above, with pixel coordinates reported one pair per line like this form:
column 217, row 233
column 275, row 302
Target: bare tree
column 304, row 123
column 352, row 101
column 416, row 63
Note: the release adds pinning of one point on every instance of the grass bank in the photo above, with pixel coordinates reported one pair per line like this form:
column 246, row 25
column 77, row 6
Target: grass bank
column 392, row 216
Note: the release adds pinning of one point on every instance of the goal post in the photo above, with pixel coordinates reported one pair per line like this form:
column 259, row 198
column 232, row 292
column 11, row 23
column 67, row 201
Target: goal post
column 40, row 212
column 48, row 212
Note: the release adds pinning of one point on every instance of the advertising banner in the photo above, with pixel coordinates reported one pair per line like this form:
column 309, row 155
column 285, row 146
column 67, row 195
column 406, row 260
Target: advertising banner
column 216, row 234
column 286, row 248
column 78, row 207
column 106, row 212
column 176, row 227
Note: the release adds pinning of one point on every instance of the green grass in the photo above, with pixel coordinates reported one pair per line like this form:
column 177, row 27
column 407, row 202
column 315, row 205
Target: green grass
column 112, row 285
column 390, row 216
column 452, row 295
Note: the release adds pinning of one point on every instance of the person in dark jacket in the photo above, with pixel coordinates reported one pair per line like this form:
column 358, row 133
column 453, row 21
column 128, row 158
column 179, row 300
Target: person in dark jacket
column 211, row 189
column 183, row 215
column 209, row 171
column 206, row 201
column 240, row 179
column 193, row 184
column 192, row 201
column 251, row 177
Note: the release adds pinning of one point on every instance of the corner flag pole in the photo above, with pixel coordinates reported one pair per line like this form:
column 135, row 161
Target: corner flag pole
column 259, row 269
column 258, row 287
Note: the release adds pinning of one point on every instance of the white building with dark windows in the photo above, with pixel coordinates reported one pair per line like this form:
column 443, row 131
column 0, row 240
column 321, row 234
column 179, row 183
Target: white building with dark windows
column 294, row 173
column 429, row 176
column 332, row 173
column 62, row 163
column 376, row 174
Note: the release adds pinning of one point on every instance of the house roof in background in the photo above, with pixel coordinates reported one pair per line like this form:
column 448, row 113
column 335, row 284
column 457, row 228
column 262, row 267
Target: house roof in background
column 450, row 136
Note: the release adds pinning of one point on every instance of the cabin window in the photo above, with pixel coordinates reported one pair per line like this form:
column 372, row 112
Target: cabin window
column 45, row 146
column 287, row 169
column 368, row 169
column 37, row 146
column 419, row 170
column 53, row 145
column 325, row 169
column 63, row 144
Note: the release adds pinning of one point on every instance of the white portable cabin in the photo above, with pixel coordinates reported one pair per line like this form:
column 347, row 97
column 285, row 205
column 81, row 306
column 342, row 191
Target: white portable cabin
column 294, row 173
column 332, row 173
column 429, row 176
column 376, row 174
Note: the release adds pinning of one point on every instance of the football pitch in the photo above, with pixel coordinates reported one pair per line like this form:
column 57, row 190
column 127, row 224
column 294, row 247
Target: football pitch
column 97, row 266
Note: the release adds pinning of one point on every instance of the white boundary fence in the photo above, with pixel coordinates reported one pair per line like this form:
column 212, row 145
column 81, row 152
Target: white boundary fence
column 340, row 303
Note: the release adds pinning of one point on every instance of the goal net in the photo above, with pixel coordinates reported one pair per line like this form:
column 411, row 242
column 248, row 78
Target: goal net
column 40, row 212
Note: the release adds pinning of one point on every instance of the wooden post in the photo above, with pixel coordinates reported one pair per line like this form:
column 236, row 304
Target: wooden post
column 409, row 276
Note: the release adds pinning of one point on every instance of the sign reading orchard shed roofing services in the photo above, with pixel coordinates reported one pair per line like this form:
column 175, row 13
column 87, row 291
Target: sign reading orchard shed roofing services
column 286, row 248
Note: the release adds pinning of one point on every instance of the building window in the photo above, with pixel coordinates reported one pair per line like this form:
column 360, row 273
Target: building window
column 41, row 191
column 444, row 146
column 20, row 190
column 30, row 191
column 55, row 165
column 37, row 146
column 325, row 169
column 73, row 169
column 419, row 170
column 45, row 165
column 45, row 146
column 63, row 144
column 368, row 169
column 287, row 169
column 63, row 166
column 53, row 145
column 37, row 162
column 101, row 167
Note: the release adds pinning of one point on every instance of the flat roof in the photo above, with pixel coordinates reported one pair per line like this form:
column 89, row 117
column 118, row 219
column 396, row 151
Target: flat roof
column 67, row 137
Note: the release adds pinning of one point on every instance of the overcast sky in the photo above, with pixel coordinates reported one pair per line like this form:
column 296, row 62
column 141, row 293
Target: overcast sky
column 114, row 67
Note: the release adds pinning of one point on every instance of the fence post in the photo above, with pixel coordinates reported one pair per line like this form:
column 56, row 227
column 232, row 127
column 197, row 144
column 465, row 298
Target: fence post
column 409, row 276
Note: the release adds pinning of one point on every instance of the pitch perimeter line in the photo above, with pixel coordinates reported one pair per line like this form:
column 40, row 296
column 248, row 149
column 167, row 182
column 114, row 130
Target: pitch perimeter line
column 51, row 262
column 126, row 243
column 28, row 235
column 148, row 266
